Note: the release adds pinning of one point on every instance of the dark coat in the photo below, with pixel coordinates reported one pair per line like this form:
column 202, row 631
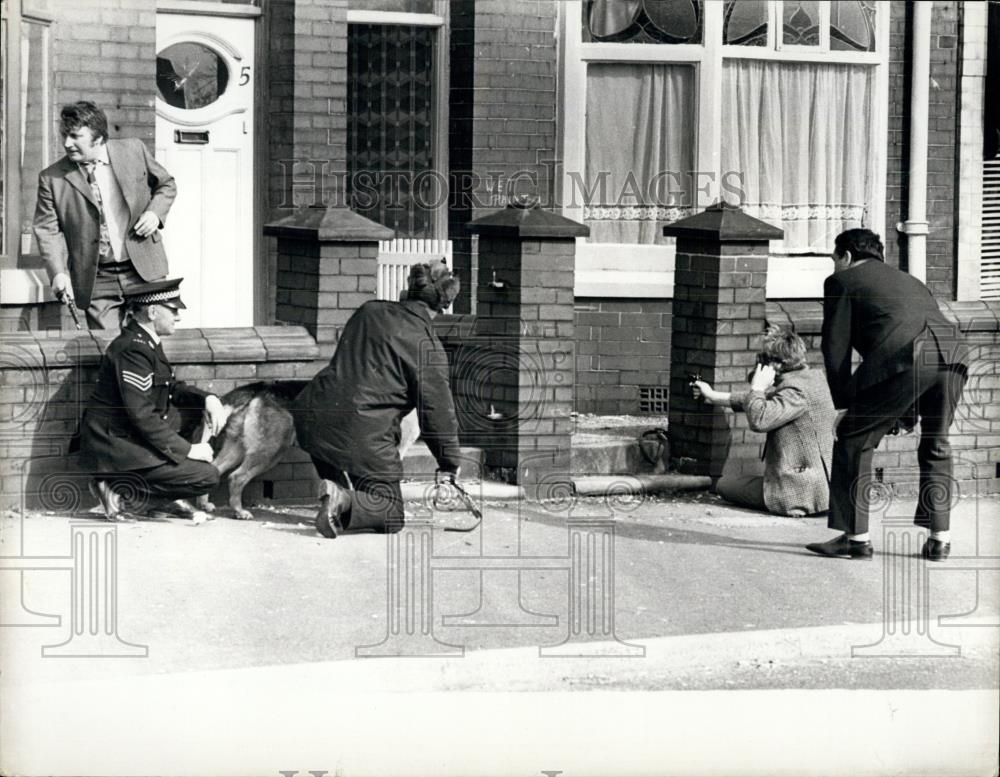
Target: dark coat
column 388, row 361
column 127, row 424
column 881, row 313
column 797, row 415
column 67, row 224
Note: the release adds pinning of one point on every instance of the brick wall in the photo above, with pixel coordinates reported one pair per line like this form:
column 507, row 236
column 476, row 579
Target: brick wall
column 46, row 378
column 942, row 141
column 621, row 344
column 106, row 53
column 306, row 112
column 502, row 108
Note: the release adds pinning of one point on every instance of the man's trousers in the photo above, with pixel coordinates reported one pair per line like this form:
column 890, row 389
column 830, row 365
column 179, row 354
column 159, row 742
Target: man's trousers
column 187, row 479
column 376, row 503
column 933, row 389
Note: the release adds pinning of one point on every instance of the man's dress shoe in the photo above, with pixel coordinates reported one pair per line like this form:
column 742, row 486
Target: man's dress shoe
column 935, row 550
column 841, row 547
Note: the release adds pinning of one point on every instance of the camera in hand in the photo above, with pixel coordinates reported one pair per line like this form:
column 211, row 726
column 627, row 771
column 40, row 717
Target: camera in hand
column 764, row 360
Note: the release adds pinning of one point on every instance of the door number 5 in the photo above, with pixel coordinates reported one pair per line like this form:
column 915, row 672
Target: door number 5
column 245, row 75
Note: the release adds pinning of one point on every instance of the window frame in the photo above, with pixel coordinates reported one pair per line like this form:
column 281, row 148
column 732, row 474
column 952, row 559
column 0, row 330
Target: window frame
column 440, row 20
column 650, row 270
column 21, row 285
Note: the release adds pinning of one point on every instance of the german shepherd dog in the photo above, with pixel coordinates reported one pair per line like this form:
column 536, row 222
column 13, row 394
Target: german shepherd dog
column 258, row 432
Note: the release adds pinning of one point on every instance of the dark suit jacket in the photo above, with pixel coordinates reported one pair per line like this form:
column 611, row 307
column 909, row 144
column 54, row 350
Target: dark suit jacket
column 67, row 223
column 127, row 424
column 881, row 313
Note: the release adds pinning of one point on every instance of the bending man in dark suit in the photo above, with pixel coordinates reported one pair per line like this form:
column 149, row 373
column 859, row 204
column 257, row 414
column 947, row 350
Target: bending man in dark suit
column 913, row 359
column 98, row 216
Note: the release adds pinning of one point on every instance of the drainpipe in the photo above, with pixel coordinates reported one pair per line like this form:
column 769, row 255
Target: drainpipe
column 915, row 227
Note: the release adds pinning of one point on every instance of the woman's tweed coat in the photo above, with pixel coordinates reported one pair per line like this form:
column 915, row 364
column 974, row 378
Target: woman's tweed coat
column 797, row 414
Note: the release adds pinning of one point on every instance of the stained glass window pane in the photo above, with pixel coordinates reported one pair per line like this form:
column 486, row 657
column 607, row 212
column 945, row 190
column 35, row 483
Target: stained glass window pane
column 642, row 21
column 398, row 6
column 745, row 22
column 390, row 126
column 801, row 22
column 852, row 25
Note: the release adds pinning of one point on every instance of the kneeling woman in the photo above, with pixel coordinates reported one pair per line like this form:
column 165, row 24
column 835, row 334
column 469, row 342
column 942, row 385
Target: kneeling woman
column 792, row 405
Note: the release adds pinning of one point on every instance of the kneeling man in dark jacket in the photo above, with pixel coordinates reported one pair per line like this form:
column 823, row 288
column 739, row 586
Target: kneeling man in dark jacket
column 388, row 362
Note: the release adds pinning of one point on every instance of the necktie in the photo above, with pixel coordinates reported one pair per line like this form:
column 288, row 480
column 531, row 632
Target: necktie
column 105, row 247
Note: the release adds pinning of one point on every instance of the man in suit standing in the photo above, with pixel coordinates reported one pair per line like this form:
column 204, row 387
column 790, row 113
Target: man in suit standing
column 913, row 359
column 98, row 216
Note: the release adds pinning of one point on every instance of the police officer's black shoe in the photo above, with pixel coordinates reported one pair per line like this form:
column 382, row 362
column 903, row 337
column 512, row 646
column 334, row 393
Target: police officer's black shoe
column 110, row 502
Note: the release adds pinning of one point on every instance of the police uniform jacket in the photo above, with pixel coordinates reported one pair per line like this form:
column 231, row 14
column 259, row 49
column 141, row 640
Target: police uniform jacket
column 388, row 361
column 797, row 415
column 127, row 425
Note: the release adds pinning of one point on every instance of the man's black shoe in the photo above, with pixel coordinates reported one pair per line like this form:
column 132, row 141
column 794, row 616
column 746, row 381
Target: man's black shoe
column 841, row 547
column 935, row 550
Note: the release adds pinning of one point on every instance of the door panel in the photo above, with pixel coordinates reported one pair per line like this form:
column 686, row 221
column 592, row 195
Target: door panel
column 204, row 137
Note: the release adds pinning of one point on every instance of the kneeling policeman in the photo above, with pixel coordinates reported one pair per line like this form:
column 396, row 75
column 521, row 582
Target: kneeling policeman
column 127, row 436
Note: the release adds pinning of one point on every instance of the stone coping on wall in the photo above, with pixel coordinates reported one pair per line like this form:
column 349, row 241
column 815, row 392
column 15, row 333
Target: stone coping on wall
column 60, row 349
column 807, row 315
column 294, row 343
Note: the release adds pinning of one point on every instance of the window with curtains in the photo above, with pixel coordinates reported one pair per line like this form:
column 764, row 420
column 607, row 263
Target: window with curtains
column 799, row 134
column 777, row 105
column 640, row 148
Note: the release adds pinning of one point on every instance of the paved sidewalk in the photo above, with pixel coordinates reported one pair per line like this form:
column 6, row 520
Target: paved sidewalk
column 231, row 594
column 724, row 629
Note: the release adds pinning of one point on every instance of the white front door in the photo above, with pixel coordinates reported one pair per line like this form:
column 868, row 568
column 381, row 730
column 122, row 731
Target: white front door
column 204, row 137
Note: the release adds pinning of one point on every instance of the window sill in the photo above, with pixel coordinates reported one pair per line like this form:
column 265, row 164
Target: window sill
column 24, row 287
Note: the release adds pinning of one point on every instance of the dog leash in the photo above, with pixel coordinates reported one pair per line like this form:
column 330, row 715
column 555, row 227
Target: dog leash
column 463, row 495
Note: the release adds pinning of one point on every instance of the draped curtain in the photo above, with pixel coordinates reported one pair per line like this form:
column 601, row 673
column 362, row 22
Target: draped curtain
column 640, row 150
column 800, row 135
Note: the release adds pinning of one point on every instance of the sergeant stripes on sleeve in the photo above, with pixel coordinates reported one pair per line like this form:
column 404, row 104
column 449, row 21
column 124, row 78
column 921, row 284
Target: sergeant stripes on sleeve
column 143, row 383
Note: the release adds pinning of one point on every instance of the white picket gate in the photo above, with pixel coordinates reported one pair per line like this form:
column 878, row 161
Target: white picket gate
column 395, row 257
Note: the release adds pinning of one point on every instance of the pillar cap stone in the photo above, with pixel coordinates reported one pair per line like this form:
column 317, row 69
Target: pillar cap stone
column 524, row 218
column 334, row 224
column 724, row 223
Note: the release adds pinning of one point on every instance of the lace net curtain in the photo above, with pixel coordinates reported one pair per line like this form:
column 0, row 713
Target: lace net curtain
column 640, row 150
column 801, row 136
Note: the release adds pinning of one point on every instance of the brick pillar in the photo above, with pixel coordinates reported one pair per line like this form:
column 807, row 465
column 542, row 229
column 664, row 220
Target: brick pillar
column 327, row 266
column 718, row 317
column 515, row 387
